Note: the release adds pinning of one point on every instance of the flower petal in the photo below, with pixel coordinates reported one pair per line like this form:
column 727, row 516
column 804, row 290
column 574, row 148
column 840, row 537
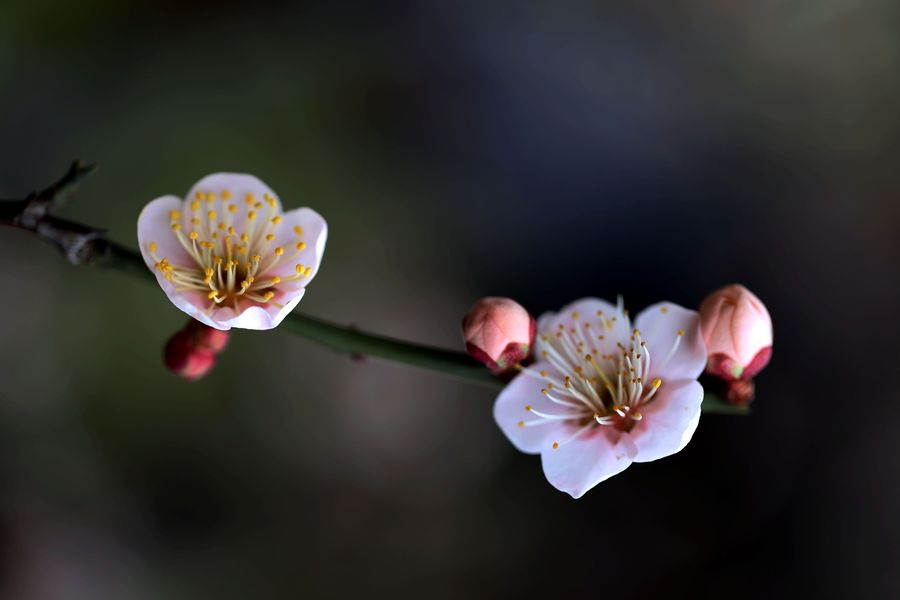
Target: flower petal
column 509, row 411
column 314, row 234
column 605, row 319
column 669, row 420
column 579, row 464
column 660, row 325
column 259, row 316
column 155, row 225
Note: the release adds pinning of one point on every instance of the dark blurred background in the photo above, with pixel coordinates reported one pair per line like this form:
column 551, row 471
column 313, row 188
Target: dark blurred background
column 543, row 151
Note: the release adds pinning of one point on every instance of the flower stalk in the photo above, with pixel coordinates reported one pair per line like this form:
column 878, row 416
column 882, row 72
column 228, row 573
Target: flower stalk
column 85, row 245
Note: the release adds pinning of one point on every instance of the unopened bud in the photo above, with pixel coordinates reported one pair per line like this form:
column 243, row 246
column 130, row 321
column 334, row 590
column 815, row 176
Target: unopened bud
column 498, row 332
column 191, row 352
column 737, row 330
column 183, row 358
column 207, row 337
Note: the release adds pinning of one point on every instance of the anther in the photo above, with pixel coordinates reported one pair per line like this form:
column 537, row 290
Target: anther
column 298, row 230
column 276, row 220
column 279, row 251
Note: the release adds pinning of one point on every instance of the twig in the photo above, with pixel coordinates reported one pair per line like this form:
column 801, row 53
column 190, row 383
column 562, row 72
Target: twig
column 85, row 245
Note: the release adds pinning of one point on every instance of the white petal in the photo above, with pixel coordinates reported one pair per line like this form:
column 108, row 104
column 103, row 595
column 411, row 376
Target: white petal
column 509, row 411
column 669, row 420
column 660, row 325
column 587, row 312
column 155, row 225
column 578, row 465
column 315, row 234
column 265, row 316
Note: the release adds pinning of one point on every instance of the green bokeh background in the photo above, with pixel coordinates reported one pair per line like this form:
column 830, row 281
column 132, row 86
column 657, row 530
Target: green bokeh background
column 540, row 151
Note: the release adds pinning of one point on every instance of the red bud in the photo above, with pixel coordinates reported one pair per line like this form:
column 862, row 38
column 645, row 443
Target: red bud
column 191, row 352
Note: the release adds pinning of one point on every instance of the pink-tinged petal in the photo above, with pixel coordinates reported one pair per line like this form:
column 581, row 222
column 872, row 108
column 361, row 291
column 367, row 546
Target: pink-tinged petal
column 669, row 420
column 666, row 327
column 605, row 319
column 510, row 412
column 155, row 225
column 264, row 316
column 193, row 304
column 314, row 235
column 237, row 186
column 579, row 464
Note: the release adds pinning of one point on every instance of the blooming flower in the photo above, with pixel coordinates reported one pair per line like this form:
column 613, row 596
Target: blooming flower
column 227, row 255
column 498, row 332
column 604, row 394
column 737, row 330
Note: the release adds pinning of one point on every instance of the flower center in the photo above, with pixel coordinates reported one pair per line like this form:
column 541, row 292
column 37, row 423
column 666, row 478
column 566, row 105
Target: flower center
column 595, row 389
column 231, row 266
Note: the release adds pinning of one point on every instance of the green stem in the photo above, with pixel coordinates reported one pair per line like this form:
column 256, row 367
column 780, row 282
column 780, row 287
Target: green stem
column 337, row 337
column 85, row 245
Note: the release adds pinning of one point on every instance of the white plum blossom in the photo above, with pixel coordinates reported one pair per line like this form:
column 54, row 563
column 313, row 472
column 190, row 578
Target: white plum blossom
column 227, row 255
column 603, row 394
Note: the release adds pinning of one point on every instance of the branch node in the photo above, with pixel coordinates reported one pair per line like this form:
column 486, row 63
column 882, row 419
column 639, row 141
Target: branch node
column 79, row 243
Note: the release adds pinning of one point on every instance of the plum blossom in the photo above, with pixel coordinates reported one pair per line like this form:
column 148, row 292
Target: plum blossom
column 604, row 393
column 228, row 255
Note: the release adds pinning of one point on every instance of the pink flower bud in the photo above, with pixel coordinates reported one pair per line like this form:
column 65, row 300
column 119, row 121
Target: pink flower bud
column 498, row 332
column 737, row 330
column 205, row 337
column 185, row 359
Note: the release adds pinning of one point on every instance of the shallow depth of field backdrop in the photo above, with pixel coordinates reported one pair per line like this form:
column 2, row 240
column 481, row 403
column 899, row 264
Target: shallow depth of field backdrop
column 544, row 151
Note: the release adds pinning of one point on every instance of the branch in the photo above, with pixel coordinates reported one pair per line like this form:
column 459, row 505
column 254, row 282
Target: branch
column 85, row 245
